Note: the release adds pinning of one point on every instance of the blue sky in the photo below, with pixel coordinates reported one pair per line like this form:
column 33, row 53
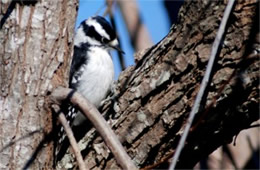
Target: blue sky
column 157, row 24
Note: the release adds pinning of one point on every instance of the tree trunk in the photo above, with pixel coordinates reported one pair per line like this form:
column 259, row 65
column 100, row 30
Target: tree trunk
column 154, row 98
column 35, row 46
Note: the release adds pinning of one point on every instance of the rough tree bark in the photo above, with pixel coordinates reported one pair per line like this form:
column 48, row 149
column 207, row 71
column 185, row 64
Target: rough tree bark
column 154, row 98
column 35, row 45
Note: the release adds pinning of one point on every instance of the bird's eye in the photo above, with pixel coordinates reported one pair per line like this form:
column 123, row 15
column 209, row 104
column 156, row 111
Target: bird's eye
column 104, row 40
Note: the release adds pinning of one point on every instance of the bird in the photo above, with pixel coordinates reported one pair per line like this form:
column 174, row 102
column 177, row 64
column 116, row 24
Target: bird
column 91, row 72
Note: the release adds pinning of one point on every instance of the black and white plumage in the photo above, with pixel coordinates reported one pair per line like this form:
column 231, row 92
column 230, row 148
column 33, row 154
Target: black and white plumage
column 92, row 70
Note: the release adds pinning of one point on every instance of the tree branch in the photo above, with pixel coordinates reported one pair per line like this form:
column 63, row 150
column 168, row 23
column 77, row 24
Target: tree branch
column 100, row 124
column 72, row 140
column 109, row 11
column 139, row 35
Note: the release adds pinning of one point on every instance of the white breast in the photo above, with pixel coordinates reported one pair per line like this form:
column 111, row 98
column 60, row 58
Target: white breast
column 97, row 78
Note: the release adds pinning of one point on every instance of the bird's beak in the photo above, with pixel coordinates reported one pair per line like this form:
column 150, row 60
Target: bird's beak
column 114, row 44
column 118, row 49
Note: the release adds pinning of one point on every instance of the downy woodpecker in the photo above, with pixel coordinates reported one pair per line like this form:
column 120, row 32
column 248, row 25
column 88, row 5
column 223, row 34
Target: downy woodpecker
column 92, row 69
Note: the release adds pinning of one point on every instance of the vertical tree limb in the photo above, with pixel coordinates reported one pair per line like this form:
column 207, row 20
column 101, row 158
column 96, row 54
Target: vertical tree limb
column 73, row 141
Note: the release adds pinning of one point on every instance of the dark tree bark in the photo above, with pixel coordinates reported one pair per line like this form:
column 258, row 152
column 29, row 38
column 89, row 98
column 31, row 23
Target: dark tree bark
column 154, row 98
column 35, row 46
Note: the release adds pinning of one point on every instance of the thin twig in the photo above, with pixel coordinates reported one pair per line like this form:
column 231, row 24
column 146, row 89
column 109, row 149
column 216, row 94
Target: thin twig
column 100, row 124
column 109, row 4
column 73, row 141
column 119, row 53
column 205, row 82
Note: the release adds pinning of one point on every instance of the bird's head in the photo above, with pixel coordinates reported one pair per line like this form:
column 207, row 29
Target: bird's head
column 96, row 31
